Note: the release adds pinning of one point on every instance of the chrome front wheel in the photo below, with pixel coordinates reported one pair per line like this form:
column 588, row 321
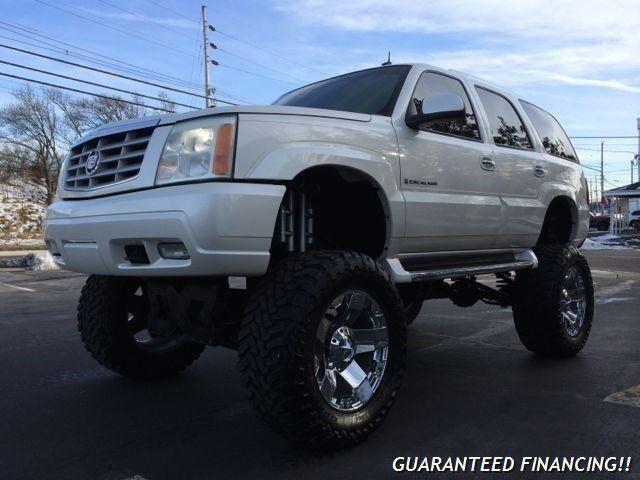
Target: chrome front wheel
column 351, row 350
column 322, row 347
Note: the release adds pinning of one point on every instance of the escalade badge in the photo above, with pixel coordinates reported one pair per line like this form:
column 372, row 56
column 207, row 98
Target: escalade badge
column 93, row 162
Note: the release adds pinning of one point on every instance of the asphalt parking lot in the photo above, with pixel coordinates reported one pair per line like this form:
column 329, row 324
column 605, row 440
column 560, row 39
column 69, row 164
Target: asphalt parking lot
column 470, row 389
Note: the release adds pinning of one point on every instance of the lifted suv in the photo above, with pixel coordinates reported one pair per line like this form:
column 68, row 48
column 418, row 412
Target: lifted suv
column 307, row 234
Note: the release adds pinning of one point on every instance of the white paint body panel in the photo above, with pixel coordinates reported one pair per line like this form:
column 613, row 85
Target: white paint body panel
column 228, row 225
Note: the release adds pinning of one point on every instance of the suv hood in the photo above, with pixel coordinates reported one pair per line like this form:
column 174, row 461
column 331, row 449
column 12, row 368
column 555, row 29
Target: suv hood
column 266, row 110
column 158, row 120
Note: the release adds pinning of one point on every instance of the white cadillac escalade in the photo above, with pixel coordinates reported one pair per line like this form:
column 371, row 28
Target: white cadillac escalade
column 307, row 234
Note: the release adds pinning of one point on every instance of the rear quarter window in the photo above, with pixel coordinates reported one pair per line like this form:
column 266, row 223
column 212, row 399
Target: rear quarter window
column 506, row 126
column 553, row 137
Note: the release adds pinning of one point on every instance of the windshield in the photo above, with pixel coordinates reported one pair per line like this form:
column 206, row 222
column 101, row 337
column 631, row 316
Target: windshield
column 372, row 91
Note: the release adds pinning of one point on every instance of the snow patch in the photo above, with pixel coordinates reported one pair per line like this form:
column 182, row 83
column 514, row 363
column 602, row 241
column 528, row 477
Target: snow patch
column 39, row 262
column 597, row 244
column 21, row 213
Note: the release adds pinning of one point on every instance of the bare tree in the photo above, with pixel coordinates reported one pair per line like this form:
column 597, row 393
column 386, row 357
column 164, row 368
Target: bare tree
column 40, row 125
column 32, row 125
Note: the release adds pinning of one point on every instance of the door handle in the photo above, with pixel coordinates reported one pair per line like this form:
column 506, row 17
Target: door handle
column 538, row 171
column 487, row 164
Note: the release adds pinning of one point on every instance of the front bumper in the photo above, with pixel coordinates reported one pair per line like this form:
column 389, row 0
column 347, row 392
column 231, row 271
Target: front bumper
column 226, row 227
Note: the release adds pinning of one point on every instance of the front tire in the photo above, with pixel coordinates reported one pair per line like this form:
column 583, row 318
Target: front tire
column 114, row 327
column 322, row 348
column 553, row 304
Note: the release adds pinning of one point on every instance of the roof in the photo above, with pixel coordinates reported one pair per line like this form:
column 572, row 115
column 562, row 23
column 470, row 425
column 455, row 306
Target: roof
column 631, row 190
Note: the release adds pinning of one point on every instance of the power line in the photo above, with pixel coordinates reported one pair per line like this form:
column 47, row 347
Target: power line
column 611, row 136
column 597, row 150
column 233, row 37
column 31, row 80
column 87, row 82
column 118, row 66
column 89, row 59
column 146, row 19
column 175, row 12
column 232, row 96
column 608, row 143
column 100, row 70
column 147, row 39
column 590, row 168
column 259, row 64
column 255, row 74
column 125, row 32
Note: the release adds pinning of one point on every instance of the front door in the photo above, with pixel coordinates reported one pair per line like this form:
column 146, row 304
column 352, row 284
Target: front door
column 448, row 178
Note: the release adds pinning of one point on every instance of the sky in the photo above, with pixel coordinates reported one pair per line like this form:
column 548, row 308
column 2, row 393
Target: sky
column 578, row 59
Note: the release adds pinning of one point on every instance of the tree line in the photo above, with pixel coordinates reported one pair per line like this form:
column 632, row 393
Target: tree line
column 39, row 125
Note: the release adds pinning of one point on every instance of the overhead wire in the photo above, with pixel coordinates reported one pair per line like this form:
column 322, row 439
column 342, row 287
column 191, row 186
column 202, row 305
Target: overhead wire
column 95, row 84
column 144, row 38
column 100, row 70
column 84, row 92
column 233, row 37
column 118, row 66
column 146, row 19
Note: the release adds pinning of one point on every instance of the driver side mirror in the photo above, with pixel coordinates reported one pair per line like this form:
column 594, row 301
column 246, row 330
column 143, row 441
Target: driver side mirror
column 440, row 106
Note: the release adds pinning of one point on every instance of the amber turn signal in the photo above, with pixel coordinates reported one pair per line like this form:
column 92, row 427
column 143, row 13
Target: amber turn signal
column 223, row 155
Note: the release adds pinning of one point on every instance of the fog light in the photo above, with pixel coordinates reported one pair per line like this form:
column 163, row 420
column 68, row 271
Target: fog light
column 173, row 251
column 52, row 246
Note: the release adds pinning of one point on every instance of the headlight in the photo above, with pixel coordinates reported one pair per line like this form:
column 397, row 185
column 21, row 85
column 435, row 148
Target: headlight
column 198, row 149
column 61, row 176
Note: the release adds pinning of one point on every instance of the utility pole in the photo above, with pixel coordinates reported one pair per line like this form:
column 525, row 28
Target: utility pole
column 638, row 157
column 632, row 171
column 205, row 45
column 602, row 174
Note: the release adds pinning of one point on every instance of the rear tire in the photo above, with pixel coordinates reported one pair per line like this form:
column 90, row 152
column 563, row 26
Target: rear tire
column 294, row 322
column 412, row 296
column 105, row 324
column 553, row 304
column 412, row 310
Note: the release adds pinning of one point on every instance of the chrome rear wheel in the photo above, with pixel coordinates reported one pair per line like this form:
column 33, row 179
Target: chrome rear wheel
column 573, row 304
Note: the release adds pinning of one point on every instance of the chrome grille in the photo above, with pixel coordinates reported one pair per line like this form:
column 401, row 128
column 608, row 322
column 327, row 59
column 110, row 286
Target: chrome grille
column 121, row 157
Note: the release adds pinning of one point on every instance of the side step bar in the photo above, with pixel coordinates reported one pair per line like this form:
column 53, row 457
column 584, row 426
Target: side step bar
column 522, row 260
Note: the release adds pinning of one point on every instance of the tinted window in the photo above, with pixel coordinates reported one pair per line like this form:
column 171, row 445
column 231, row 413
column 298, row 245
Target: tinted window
column 505, row 123
column 553, row 138
column 372, row 91
column 637, row 212
column 434, row 83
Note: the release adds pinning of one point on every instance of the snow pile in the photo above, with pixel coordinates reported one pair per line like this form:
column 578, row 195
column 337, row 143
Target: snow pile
column 21, row 217
column 39, row 262
column 603, row 242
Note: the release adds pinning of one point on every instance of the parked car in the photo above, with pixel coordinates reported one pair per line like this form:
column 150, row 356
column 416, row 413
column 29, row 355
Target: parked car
column 599, row 221
column 634, row 220
column 307, row 234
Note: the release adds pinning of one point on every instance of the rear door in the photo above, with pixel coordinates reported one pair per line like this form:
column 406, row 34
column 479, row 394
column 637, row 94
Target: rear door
column 560, row 165
column 448, row 177
column 520, row 170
